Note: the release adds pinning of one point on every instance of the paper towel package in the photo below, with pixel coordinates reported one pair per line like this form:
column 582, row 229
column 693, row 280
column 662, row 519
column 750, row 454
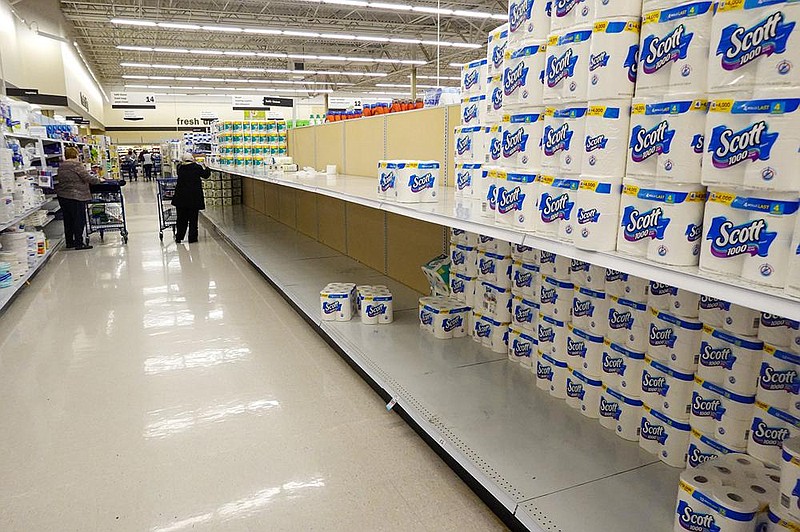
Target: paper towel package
column 779, row 331
column 466, row 174
column 667, row 389
column 661, row 222
column 494, row 98
column 779, row 380
column 753, row 144
column 614, row 50
column 468, row 140
column 663, row 436
column 606, row 134
column 552, row 336
column 769, row 429
column 590, row 310
column 674, row 340
column 667, row 139
column 496, row 50
column 516, row 201
column 596, row 215
column 790, row 477
column 584, row 351
column 555, row 203
column 622, row 368
column 555, row 297
column 628, row 323
column 523, row 77
column 473, row 78
column 748, row 234
column 674, row 50
column 583, row 393
column 721, row 413
column 703, row 448
column 754, row 46
column 473, row 110
column 555, row 266
column 704, row 503
column 566, row 76
column 521, row 139
column 620, row 413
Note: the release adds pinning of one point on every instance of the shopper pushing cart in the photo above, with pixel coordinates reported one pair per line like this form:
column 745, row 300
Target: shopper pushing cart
column 188, row 198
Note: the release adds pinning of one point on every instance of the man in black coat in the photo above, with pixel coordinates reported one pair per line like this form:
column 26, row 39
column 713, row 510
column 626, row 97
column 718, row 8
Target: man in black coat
column 188, row 199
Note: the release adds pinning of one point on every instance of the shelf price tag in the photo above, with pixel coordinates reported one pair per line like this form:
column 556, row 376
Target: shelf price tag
column 391, row 404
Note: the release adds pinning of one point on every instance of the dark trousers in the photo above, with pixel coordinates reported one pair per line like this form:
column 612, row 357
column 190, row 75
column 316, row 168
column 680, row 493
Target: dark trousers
column 148, row 172
column 74, row 212
column 186, row 218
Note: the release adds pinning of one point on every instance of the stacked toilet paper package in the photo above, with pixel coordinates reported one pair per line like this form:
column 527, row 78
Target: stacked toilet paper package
column 407, row 181
column 343, row 301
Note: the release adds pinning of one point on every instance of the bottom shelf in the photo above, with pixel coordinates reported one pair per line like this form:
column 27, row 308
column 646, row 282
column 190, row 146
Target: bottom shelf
column 532, row 456
column 7, row 295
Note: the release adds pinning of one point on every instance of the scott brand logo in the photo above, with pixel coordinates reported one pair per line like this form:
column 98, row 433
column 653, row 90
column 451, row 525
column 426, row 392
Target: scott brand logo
column 609, row 409
column 419, row 183
column 729, row 240
column 766, row 435
column 739, row 46
column 331, row 307
column 514, row 78
column 471, row 79
column 650, row 224
column 463, row 145
column 648, row 142
column 560, row 68
column 387, row 181
column 772, row 379
column 662, row 51
column 694, row 521
column 653, row 432
column 518, row 13
column 721, row 357
column 555, row 208
column 514, row 142
column 729, row 148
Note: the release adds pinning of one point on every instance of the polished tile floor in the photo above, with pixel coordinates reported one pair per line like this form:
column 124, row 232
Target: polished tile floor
column 169, row 388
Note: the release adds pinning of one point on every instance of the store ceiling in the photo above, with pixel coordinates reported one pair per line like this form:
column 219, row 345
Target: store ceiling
column 353, row 43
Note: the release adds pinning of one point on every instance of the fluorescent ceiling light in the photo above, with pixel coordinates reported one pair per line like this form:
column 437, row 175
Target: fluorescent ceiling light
column 260, row 70
column 308, row 33
column 456, row 65
column 234, row 80
column 178, row 26
column 255, row 89
column 405, row 85
column 417, row 9
column 454, row 78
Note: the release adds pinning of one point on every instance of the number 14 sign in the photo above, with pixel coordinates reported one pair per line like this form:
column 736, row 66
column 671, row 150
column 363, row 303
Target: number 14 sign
column 133, row 100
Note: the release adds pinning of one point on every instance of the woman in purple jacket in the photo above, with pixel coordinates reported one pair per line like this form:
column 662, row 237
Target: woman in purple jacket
column 72, row 188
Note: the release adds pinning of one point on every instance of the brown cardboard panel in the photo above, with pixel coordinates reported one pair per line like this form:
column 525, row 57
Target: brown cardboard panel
column 307, row 218
column 364, row 146
column 416, row 135
column 410, row 244
column 287, row 206
column 332, row 232
column 330, row 145
column 301, row 145
column 271, row 200
column 247, row 192
column 365, row 236
column 258, row 196
column 453, row 119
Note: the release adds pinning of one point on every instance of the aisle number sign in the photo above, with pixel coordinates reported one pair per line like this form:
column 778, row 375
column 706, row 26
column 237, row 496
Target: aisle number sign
column 133, row 100
column 343, row 103
column 245, row 102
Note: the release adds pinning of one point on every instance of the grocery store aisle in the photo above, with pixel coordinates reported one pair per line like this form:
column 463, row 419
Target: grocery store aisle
column 170, row 388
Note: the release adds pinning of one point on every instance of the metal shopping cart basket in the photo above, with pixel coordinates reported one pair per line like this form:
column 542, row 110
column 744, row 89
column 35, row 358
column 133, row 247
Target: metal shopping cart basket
column 106, row 210
column 167, row 215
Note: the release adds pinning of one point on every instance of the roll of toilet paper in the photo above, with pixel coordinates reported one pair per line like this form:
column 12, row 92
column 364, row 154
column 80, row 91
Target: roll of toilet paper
column 494, row 269
column 522, row 137
column 674, row 51
column 703, row 448
column 752, row 143
column 578, row 272
column 663, row 436
column 521, row 279
column 496, row 49
column 463, row 259
column 606, row 140
column 590, row 310
column 555, row 266
column 552, row 336
column 524, row 313
column 584, row 351
column 628, row 323
column 466, row 174
column 567, row 66
column 749, row 235
column 779, row 379
column 462, row 287
column 521, row 346
column 528, row 21
column 588, row 395
column 555, row 204
column 722, row 413
column 473, row 78
column 779, row 520
column 555, row 298
column 518, row 251
column 523, row 77
column 723, row 508
column 667, row 389
column 622, row 368
column 684, row 303
column 620, row 413
column 790, row 477
column 527, row 278
column 769, row 429
column 494, row 98
column 546, row 369
column 674, row 340
column 597, row 215
column 575, row 389
column 613, row 54
column 779, row 331
column 494, row 144
column 377, row 308
column 494, row 301
column 729, row 316
column 662, row 224
column 626, row 286
column 753, row 46
column 473, row 110
column 516, row 201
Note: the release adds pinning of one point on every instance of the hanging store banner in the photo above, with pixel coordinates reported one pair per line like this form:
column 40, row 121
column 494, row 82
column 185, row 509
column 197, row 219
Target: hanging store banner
column 258, row 102
column 133, row 100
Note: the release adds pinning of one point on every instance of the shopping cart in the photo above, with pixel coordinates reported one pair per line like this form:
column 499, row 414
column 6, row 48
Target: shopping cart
column 167, row 215
column 106, row 210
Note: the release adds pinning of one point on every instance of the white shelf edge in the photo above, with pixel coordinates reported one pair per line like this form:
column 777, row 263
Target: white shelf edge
column 7, row 294
column 765, row 299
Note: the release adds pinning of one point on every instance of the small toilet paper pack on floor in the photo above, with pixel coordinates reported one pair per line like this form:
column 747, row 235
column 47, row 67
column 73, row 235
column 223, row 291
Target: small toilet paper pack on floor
column 338, row 301
column 443, row 317
column 374, row 304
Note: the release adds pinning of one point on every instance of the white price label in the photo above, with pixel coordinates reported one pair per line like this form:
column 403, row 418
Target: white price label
column 133, row 100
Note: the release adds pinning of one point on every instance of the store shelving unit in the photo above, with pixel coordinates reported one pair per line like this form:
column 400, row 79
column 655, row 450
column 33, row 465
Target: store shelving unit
column 21, row 217
column 7, row 295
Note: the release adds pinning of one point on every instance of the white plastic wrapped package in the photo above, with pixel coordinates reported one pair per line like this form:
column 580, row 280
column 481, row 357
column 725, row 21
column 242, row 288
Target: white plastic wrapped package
column 612, row 61
column 473, row 78
column 566, row 76
column 528, row 21
column 521, row 142
column 523, row 77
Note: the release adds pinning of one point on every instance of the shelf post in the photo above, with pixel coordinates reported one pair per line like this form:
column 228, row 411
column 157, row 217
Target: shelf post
column 413, row 83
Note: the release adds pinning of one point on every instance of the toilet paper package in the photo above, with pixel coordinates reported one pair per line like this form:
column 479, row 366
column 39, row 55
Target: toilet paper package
column 622, row 368
column 583, row 393
column 614, row 50
column 552, row 336
column 566, row 77
column 555, row 203
column 713, row 506
column 462, row 288
column 522, row 347
column 520, row 146
column 606, row 134
column 587, row 275
column 494, row 268
column 524, row 277
column 779, row 380
column 721, row 413
column 667, row 139
column 516, row 201
column 466, row 175
column 494, row 245
column 551, row 374
column 752, row 144
column 674, row 340
column 661, row 222
column 663, row 436
column 464, row 259
column 590, row 310
column 770, row 427
column 779, row 331
column 667, row 389
column 620, row 413
column 338, row 302
column 443, row 317
column 729, row 316
column 754, row 46
column 494, row 145
column 528, row 21
column 730, row 361
column 563, row 139
column 375, row 306
column 626, row 286
column 525, row 314
column 519, row 251
column 779, row 520
column 473, row 77
column 493, row 301
column 596, row 215
column 491, row 334
column 555, row 266
column 496, row 50
column 468, row 140
column 523, row 77
column 628, row 323
column 473, row 110
column 584, row 351
column 387, row 179
column 790, row 477
column 417, row 182
column 555, row 298
column 482, row 184
column 566, row 14
column 674, row 50
column 748, row 234
column 494, row 98
column 677, row 301
column 703, row 448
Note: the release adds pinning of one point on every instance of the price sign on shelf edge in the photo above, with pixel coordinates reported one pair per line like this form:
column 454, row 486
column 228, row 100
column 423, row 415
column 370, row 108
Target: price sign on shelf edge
column 133, row 100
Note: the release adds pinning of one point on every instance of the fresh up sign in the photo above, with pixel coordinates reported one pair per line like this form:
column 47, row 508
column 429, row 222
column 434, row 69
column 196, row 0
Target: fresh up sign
column 710, row 408
column 648, row 142
column 518, row 13
column 721, row 357
column 661, row 51
column 386, row 181
column 729, row 148
column 514, row 142
column 555, row 207
column 560, row 68
column 639, row 225
column 418, row 183
column 740, row 46
column 749, row 238
column 514, row 78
